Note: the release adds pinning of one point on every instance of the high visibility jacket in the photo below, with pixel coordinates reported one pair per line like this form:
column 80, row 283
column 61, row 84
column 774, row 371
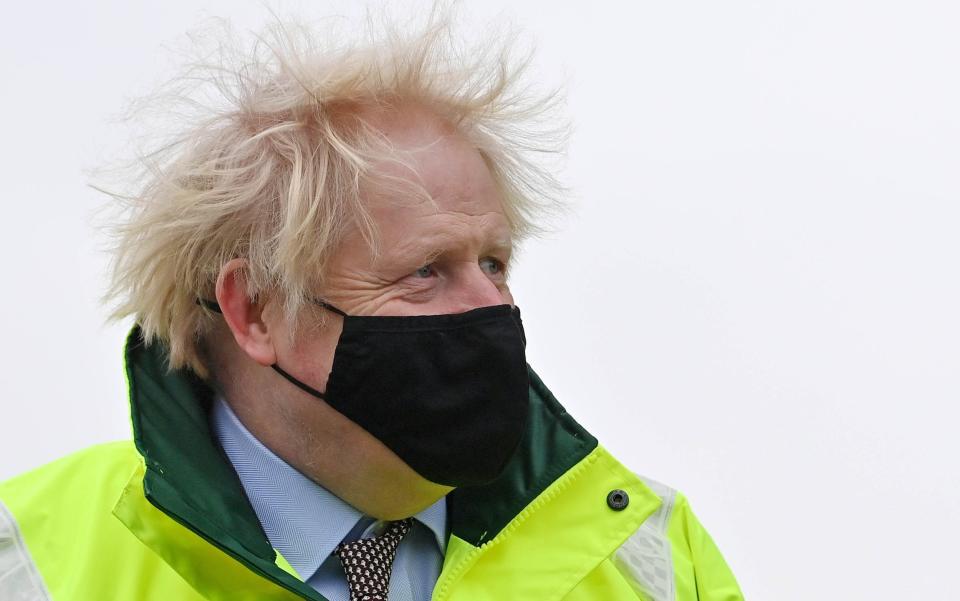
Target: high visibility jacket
column 164, row 517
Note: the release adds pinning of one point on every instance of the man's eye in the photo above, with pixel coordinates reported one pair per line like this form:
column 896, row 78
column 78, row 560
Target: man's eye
column 491, row 266
column 424, row 272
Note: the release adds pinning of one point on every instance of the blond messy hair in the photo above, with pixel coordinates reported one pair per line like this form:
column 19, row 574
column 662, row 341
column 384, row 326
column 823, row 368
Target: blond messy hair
column 274, row 154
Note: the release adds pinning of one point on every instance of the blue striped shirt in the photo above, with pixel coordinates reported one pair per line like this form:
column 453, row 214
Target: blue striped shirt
column 305, row 522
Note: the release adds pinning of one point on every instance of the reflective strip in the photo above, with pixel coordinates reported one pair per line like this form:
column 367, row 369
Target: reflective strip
column 646, row 555
column 19, row 578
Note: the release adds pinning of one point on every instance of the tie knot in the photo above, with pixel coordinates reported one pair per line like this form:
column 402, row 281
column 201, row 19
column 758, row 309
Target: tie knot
column 367, row 562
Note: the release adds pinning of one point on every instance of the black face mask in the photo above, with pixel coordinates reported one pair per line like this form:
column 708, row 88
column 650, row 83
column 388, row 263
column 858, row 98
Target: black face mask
column 447, row 393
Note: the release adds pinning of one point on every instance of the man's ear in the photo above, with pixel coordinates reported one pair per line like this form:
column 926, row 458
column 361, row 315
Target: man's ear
column 244, row 316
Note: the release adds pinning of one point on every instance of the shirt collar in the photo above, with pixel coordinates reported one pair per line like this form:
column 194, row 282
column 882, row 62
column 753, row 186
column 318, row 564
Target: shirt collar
column 303, row 521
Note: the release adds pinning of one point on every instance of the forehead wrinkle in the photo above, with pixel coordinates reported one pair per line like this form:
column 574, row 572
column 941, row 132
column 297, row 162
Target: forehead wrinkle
column 428, row 246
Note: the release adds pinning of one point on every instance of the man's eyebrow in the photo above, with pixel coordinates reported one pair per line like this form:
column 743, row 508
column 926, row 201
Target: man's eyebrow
column 504, row 244
column 432, row 254
column 504, row 249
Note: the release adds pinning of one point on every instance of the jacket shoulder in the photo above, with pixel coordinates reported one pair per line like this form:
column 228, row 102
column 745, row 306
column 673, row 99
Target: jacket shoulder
column 88, row 469
column 671, row 555
column 79, row 488
column 54, row 516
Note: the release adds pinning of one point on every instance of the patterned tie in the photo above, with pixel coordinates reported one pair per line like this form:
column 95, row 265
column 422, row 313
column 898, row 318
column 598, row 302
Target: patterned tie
column 367, row 562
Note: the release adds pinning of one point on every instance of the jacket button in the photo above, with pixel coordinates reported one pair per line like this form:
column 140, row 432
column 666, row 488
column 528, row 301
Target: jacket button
column 618, row 499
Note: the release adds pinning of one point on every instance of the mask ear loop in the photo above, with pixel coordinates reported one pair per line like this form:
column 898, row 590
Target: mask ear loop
column 301, row 385
column 329, row 307
column 215, row 307
column 210, row 304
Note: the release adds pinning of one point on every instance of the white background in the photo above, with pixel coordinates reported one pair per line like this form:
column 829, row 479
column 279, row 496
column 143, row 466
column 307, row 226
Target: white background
column 755, row 299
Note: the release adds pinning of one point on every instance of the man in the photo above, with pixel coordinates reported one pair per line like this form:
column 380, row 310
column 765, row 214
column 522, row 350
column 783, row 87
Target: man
column 328, row 385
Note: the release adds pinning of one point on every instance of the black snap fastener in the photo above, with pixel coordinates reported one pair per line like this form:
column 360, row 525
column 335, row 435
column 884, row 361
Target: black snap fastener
column 618, row 499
